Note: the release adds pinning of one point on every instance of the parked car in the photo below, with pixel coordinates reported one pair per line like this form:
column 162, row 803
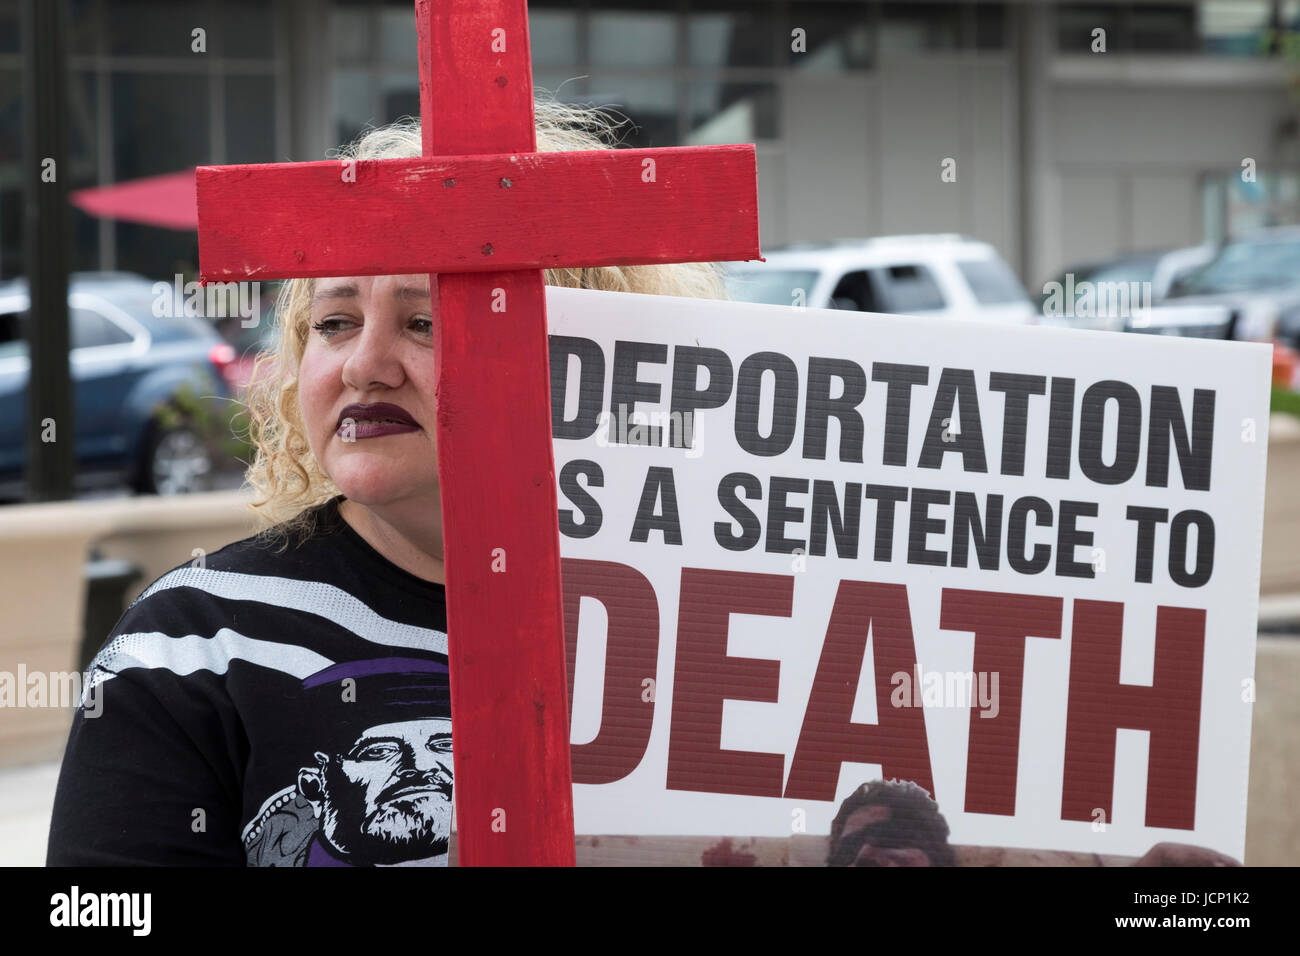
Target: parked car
column 947, row 275
column 1257, row 278
column 138, row 380
column 1161, row 269
column 1130, row 293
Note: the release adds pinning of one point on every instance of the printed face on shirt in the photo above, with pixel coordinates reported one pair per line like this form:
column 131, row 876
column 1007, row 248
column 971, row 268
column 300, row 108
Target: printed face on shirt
column 365, row 386
column 387, row 799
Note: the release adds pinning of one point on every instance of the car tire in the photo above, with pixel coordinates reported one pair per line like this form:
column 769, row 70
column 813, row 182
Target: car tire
column 176, row 461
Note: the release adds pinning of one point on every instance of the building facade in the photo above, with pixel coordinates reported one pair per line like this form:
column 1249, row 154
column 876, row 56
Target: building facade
column 1014, row 122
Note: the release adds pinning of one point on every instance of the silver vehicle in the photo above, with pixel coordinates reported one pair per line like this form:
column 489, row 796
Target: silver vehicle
column 946, row 275
column 1130, row 293
column 1257, row 279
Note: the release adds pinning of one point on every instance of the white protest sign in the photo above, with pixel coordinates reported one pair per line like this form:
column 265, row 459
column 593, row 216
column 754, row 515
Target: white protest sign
column 1018, row 566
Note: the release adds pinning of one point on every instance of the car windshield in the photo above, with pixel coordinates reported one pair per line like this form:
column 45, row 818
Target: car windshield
column 1245, row 267
column 773, row 286
column 992, row 282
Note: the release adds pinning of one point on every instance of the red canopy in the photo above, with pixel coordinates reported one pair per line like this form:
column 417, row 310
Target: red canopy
column 155, row 201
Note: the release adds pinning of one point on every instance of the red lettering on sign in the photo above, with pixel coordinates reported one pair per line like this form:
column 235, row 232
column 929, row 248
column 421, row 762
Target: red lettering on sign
column 829, row 737
column 705, row 676
column 1099, row 704
column 631, row 657
column 1001, row 623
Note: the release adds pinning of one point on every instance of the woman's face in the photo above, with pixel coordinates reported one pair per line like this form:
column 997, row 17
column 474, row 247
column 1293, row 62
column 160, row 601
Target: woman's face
column 365, row 385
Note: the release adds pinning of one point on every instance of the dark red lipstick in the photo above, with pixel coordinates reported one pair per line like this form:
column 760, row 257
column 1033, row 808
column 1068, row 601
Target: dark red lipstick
column 374, row 421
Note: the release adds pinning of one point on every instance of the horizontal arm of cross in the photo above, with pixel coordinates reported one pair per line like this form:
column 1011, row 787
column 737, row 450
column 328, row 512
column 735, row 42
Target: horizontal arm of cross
column 485, row 213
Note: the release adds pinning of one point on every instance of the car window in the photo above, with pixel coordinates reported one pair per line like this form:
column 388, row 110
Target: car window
column 90, row 329
column 992, row 282
column 906, row 288
column 12, row 342
column 1244, row 266
column 1136, row 270
column 854, row 292
column 773, row 286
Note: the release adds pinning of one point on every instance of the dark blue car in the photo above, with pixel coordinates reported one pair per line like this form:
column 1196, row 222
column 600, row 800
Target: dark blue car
column 129, row 367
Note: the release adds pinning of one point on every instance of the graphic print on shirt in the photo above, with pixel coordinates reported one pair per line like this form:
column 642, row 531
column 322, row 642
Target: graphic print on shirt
column 378, row 791
column 298, row 696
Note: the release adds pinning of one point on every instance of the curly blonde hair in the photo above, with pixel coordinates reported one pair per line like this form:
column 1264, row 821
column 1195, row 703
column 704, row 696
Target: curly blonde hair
column 285, row 477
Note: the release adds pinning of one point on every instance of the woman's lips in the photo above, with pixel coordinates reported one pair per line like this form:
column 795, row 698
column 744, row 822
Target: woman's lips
column 375, row 430
column 358, row 421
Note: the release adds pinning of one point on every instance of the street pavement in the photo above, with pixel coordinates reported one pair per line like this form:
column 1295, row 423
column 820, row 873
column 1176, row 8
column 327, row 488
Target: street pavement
column 26, row 799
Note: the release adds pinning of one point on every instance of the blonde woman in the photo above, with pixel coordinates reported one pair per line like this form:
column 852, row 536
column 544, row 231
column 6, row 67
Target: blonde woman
column 287, row 703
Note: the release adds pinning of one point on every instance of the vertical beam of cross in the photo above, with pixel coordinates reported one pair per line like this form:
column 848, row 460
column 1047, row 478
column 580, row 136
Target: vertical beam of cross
column 497, row 470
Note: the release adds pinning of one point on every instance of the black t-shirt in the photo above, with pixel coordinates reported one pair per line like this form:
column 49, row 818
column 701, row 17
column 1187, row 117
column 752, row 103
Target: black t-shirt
column 266, row 708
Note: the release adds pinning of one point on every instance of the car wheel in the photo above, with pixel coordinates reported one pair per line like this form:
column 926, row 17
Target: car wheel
column 177, row 461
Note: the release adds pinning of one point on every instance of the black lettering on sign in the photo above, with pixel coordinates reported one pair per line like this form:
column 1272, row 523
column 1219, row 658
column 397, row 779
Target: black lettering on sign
column 591, row 385
column 576, row 493
column 1194, row 451
column 820, row 407
column 688, row 398
column 955, row 423
column 1092, row 428
column 899, row 380
column 751, row 529
column 785, row 404
column 1015, row 415
column 627, row 390
column 658, row 484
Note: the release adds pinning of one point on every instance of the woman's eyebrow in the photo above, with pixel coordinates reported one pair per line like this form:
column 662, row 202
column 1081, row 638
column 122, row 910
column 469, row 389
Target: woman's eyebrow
column 348, row 291
column 412, row 292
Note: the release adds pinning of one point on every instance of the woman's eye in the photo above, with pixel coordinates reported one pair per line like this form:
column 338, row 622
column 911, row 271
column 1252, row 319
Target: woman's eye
column 423, row 324
column 331, row 326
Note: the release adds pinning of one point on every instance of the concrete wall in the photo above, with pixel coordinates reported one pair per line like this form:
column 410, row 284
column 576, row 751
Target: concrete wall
column 1117, row 151
column 43, row 550
column 1129, row 150
column 861, row 153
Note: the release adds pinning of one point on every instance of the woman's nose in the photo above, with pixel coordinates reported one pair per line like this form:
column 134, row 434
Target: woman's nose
column 374, row 359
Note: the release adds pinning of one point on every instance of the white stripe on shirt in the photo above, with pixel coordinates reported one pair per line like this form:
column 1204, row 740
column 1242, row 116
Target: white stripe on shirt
column 193, row 652
column 313, row 597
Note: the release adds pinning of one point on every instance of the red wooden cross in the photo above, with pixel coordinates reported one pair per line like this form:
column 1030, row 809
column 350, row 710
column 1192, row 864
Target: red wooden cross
column 485, row 212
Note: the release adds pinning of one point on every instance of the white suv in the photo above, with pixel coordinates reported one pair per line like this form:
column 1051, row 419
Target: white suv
column 947, row 275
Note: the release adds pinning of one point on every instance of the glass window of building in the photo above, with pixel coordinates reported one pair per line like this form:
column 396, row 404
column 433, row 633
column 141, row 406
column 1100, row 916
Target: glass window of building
column 1234, row 27
column 632, row 35
column 553, row 35
column 728, row 33
column 156, row 28
column 829, row 37
column 9, row 26
column 398, row 44
column 723, row 111
column 242, row 29
column 921, row 26
column 1242, row 28
column 649, row 103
